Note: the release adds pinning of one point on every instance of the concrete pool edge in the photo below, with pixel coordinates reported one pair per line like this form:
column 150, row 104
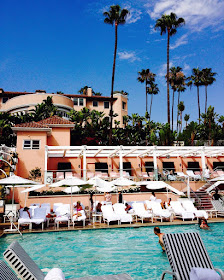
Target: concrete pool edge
column 105, row 227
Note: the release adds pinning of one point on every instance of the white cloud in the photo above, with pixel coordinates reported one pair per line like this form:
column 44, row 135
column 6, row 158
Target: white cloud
column 197, row 14
column 180, row 42
column 186, row 67
column 133, row 16
column 162, row 70
column 130, row 56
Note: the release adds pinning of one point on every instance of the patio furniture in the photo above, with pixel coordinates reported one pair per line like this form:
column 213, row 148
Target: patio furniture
column 186, row 251
column 24, row 218
column 79, row 216
column 189, row 206
column 62, row 215
column 59, row 176
column 56, row 205
column 89, row 175
column 114, row 175
column 119, row 209
column 180, row 212
column 68, row 175
column 191, row 174
column 218, row 207
column 182, row 175
column 141, row 212
column 157, row 210
column 39, row 217
column 109, row 214
column 47, row 207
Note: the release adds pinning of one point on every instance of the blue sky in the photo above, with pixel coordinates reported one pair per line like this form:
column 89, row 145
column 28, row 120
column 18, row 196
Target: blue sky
column 63, row 45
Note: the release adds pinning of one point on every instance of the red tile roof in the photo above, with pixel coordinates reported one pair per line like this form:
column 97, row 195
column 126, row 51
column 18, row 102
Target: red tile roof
column 32, row 125
column 55, row 120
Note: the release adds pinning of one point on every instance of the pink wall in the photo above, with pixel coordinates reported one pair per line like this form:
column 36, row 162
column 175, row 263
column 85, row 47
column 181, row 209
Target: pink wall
column 60, row 137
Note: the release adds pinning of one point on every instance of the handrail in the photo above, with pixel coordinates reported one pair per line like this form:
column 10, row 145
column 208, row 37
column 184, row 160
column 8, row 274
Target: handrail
column 12, row 225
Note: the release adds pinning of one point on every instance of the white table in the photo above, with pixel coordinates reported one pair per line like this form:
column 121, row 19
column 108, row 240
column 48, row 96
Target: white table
column 97, row 218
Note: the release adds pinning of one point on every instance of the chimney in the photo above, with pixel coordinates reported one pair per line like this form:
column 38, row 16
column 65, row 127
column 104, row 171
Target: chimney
column 40, row 91
column 89, row 91
column 1, row 90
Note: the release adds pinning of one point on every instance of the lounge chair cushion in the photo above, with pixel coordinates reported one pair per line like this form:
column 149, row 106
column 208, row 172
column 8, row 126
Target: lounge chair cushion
column 55, row 274
column 199, row 273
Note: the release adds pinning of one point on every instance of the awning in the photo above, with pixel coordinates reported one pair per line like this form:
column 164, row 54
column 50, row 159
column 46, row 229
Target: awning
column 154, row 185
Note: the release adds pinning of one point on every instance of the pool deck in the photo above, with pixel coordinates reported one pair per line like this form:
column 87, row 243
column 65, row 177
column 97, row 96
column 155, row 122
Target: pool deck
column 104, row 226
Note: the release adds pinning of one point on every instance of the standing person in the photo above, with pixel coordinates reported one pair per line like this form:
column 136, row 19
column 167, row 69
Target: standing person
column 108, row 197
column 120, row 197
column 91, row 201
column 160, row 235
column 216, row 195
column 153, row 197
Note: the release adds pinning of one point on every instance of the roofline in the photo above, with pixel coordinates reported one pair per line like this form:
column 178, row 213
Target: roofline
column 19, row 128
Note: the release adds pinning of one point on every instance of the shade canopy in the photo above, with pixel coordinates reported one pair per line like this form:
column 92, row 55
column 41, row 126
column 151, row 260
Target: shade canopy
column 73, row 189
column 123, row 182
column 220, row 178
column 37, row 187
column 72, row 181
column 16, row 180
column 101, row 185
column 154, row 185
column 216, row 184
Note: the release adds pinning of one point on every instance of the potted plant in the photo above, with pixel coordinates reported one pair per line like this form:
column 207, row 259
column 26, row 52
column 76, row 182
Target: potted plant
column 35, row 174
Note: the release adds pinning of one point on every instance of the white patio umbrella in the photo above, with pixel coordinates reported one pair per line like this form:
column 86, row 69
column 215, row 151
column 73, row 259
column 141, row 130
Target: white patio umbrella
column 123, row 182
column 72, row 181
column 154, row 185
column 16, row 181
column 28, row 189
column 220, row 178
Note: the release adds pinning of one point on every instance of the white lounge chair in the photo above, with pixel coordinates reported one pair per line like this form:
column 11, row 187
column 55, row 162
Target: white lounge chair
column 119, row 209
column 62, row 215
column 56, row 205
column 189, row 206
column 157, row 210
column 24, row 218
column 180, row 212
column 39, row 217
column 218, row 207
column 6, row 273
column 141, row 212
column 191, row 174
column 109, row 214
column 181, row 175
column 79, row 216
column 46, row 206
column 186, row 251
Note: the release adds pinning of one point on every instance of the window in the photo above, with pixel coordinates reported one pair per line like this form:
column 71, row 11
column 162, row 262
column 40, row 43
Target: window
column 106, row 105
column 78, row 101
column 101, row 167
column 149, row 166
column 193, row 165
column 169, row 165
column 95, row 103
column 31, row 144
column 4, row 99
column 75, row 101
column 218, row 165
column 81, row 102
column 123, row 105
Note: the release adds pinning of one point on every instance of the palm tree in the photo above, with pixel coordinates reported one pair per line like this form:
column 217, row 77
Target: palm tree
column 116, row 16
column 176, row 78
column 152, row 89
column 181, row 108
column 147, row 77
column 186, row 118
column 169, row 24
column 207, row 79
column 180, row 89
column 196, row 80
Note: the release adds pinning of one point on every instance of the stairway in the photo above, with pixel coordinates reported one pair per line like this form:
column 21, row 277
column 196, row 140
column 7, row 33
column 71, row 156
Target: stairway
column 202, row 198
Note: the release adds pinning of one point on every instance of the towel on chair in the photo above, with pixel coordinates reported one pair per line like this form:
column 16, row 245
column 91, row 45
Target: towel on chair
column 55, row 274
column 199, row 273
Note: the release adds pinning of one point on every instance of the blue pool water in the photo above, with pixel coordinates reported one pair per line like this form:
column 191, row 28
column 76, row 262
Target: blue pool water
column 96, row 252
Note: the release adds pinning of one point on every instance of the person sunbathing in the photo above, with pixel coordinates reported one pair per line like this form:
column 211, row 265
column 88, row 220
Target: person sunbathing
column 78, row 209
column 26, row 209
column 127, row 207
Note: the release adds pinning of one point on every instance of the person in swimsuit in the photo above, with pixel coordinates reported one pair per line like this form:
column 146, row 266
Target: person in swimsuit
column 160, row 235
column 78, row 208
column 204, row 224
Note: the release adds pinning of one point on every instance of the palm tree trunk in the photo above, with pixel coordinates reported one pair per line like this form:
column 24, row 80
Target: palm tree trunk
column 199, row 112
column 112, row 87
column 206, row 98
column 180, row 121
column 178, row 101
column 146, row 97
column 172, row 109
column 167, row 73
column 150, row 107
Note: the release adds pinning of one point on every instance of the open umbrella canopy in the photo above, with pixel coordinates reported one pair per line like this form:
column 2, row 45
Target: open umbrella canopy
column 16, row 180
column 72, row 181
column 154, row 185
column 123, row 182
column 101, row 185
column 28, row 189
column 73, row 189
column 220, row 178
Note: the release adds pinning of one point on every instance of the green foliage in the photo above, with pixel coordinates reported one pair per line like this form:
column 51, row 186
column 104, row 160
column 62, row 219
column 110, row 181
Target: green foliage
column 35, row 173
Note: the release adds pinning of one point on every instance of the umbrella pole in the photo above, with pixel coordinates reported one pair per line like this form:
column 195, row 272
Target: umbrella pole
column 71, row 205
column 25, row 199
column 167, row 193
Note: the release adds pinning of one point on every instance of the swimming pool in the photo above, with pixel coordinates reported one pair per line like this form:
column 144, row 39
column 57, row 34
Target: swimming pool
column 96, row 252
